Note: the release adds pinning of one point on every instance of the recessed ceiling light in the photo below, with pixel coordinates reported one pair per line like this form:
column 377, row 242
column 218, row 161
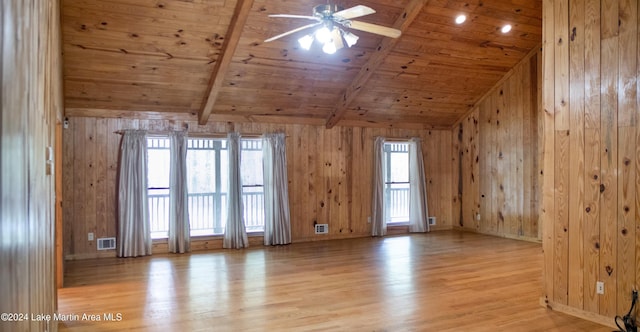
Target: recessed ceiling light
column 506, row 28
column 461, row 18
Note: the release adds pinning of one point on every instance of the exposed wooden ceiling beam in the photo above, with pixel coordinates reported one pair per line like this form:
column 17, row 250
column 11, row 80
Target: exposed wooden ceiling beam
column 387, row 44
column 243, row 7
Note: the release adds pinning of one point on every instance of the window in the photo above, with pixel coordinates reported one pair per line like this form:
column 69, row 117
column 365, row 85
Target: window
column 207, row 171
column 396, row 179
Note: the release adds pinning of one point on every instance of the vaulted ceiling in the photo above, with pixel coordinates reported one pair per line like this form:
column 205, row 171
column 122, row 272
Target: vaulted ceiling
column 207, row 60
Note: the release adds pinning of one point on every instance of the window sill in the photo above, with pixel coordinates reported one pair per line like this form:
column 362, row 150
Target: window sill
column 402, row 223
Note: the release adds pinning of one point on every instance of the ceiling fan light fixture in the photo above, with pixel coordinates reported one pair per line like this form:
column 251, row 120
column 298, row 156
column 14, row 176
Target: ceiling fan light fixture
column 350, row 38
column 329, row 47
column 323, row 35
column 306, row 41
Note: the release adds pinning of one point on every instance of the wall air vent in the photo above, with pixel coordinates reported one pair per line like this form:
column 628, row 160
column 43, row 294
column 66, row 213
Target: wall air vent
column 106, row 243
column 322, row 228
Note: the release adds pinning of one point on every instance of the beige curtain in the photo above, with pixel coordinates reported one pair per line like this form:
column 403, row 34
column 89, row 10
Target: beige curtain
column 179, row 237
column 277, row 225
column 235, row 234
column 133, row 212
column 378, row 217
column 418, row 211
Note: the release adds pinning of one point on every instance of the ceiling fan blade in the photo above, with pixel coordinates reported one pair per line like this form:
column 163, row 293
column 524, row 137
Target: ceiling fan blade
column 374, row 28
column 295, row 16
column 354, row 12
column 337, row 38
column 292, row 31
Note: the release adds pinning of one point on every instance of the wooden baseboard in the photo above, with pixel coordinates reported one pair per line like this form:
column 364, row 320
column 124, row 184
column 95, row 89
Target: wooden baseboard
column 440, row 228
column 215, row 242
column 102, row 254
column 160, row 246
column 324, row 237
column 506, row 236
column 206, row 243
column 397, row 230
column 590, row 316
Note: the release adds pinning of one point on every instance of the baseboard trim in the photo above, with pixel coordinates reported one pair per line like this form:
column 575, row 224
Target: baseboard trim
column 105, row 254
column 506, row 236
column 590, row 316
column 203, row 243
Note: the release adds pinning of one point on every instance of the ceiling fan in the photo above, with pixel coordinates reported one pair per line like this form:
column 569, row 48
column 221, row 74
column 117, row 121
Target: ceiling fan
column 331, row 19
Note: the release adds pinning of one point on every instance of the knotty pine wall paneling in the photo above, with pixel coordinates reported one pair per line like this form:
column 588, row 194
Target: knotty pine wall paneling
column 498, row 169
column 576, row 157
column 329, row 174
column 590, row 191
column 627, row 146
column 31, row 104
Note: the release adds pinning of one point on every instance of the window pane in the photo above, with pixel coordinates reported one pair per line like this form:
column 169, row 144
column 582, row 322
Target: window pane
column 397, row 182
column 158, row 162
column 397, row 197
column 399, row 167
column 202, row 158
column 158, row 183
column 252, row 184
column 251, row 164
column 398, row 162
column 205, row 185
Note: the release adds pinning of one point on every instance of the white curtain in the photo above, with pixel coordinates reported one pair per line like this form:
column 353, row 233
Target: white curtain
column 277, row 226
column 378, row 217
column 418, row 211
column 133, row 212
column 179, row 237
column 235, row 235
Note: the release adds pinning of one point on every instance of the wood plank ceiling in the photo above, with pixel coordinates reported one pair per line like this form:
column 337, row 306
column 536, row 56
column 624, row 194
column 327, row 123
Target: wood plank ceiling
column 206, row 60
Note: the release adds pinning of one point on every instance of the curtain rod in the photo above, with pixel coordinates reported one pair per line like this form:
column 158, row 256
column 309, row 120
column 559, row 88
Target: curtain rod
column 151, row 132
column 194, row 134
column 396, row 139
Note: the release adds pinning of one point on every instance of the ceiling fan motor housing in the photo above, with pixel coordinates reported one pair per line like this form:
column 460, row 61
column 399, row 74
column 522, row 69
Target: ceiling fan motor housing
column 325, row 12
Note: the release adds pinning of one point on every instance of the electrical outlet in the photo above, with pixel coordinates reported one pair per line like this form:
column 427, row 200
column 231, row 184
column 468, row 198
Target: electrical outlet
column 368, row 219
column 90, row 236
column 599, row 287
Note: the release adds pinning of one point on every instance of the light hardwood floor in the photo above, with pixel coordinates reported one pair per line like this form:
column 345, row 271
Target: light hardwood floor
column 442, row 281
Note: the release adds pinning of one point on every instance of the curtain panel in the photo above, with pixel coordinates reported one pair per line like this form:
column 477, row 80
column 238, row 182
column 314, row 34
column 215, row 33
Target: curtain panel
column 179, row 236
column 418, row 211
column 378, row 217
column 235, row 234
column 277, row 225
column 133, row 212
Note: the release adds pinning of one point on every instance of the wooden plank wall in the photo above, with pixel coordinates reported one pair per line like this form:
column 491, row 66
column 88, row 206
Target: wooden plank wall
column 497, row 157
column 31, row 103
column 329, row 174
column 590, row 192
